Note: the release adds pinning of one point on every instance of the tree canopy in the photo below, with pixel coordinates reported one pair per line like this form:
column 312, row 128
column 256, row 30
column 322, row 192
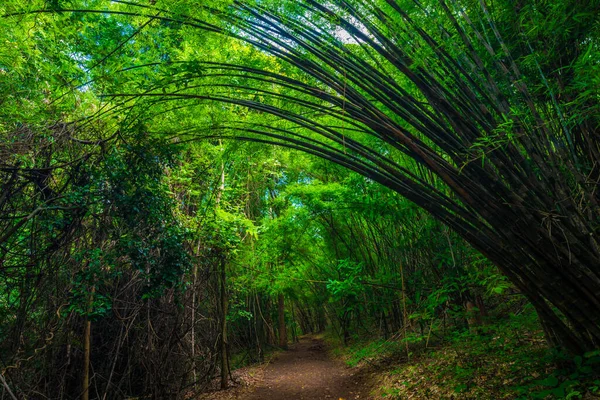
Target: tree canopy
column 207, row 168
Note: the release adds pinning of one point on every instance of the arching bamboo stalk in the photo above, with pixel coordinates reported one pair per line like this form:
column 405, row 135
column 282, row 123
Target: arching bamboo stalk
column 443, row 99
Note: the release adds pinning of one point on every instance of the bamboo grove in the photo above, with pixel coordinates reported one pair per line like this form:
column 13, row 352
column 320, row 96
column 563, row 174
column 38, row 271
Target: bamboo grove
column 498, row 162
column 186, row 186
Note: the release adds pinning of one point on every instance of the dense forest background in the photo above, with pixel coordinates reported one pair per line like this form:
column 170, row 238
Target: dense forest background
column 187, row 186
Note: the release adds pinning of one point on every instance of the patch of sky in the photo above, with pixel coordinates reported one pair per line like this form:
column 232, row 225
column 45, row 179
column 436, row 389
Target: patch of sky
column 296, row 202
column 83, row 62
column 283, row 35
column 305, row 179
column 126, row 29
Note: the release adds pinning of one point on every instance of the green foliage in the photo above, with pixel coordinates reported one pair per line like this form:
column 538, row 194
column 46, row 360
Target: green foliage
column 133, row 191
column 505, row 359
column 368, row 351
column 347, row 287
column 88, row 298
column 578, row 377
column 137, row 206
column 492, row 363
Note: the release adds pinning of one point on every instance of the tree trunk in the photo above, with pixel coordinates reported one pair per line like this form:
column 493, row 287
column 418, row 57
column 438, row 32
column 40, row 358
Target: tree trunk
column 224, row 361
column 87, row 349
column 473, row 315
column 294, row 325
column 86, row 360
column 270, row 330
column 193, row 330
column 281, row 318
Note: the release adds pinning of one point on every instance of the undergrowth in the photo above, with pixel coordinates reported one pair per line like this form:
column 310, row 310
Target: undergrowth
column 503, row 359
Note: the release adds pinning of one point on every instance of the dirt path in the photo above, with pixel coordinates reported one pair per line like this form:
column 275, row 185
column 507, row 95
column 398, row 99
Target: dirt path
column 306, row 372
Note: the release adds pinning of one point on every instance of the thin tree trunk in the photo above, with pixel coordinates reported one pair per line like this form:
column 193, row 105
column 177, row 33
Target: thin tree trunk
column 473, row 316
column 404, row 311
column 281, row 318
column 294, row 333
column 223, row 293
column 270, row 325
column 193, row 330
column 87, row 349
column 224, row 363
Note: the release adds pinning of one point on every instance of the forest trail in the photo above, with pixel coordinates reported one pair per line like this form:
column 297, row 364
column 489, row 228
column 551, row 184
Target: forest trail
column 306, row 372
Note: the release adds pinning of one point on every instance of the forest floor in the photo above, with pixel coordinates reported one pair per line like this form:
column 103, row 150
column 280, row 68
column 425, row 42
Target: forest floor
column 304, row 372
column 505, row 359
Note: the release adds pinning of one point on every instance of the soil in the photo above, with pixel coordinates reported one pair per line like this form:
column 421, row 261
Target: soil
column 304, row 372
